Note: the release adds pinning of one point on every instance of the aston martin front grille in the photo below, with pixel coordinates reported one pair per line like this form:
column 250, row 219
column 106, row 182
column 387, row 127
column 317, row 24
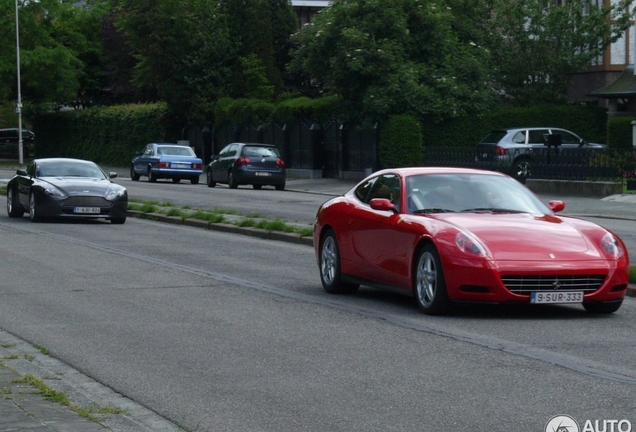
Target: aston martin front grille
column 86, row 201
column 525, row 284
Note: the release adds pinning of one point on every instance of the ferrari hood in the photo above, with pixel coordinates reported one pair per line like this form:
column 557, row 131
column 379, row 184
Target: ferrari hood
column 525, row 236
column 81, row 186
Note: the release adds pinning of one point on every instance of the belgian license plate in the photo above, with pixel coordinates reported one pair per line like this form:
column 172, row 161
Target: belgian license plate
column 557, row 297
column 89, row 210
column 263, row 174
column 182, row 165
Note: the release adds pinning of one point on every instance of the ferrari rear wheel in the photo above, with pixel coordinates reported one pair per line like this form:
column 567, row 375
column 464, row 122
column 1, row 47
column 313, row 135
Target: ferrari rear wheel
column 330, row 275
column 603, row 308
column 430, row 286
column 14, row 208
column 33, row 212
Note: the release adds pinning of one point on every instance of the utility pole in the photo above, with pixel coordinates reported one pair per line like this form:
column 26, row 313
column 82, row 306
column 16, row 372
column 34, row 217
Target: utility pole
column 19, row 106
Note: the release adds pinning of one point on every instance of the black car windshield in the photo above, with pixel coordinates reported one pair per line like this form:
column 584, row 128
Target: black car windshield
column 69, row 169
column 478, row 193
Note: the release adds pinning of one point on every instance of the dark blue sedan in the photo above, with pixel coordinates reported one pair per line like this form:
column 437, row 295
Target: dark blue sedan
column 163, row 160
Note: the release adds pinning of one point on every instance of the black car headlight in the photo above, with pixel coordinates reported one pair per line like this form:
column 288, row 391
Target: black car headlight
column 54, row 192
column 113, row 194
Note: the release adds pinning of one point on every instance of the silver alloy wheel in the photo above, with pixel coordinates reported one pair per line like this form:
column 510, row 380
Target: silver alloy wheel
column 32, row 210
column 426, row 279
column 9, row 201
column 328, row 260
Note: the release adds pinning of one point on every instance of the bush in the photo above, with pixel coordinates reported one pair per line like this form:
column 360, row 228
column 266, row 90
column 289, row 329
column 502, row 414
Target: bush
column 619, row 133
column 400, row 142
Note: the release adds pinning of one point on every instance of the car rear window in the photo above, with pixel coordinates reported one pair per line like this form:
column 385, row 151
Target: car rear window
column 494, row 136
column 255, row 151
column 175, row 151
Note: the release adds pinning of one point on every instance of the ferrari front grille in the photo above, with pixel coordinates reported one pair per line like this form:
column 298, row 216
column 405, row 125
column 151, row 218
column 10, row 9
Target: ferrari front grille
column 86, row 201
column 525, row 284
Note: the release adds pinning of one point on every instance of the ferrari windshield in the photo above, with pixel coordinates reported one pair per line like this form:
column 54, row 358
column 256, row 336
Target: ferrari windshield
column 69, row 168
column 442, row 193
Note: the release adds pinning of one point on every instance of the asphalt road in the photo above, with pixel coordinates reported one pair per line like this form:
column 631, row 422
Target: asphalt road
column 222, row 333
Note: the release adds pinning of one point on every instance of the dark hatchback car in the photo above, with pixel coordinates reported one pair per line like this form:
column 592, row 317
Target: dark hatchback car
column 164, row 160
column 247, row 163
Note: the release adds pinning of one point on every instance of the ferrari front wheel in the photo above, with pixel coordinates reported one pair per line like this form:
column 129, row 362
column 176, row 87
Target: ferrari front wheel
column 430, row 286
column 330, row 274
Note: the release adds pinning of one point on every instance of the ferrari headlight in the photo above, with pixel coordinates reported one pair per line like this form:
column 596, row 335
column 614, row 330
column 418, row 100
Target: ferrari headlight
column 469, row 244
column 113, row 194
column 610, row 245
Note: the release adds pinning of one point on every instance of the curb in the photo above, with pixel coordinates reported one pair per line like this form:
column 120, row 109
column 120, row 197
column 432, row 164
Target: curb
column 253, row 232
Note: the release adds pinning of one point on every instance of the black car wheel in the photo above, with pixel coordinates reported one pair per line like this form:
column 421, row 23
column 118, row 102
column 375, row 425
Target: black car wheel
column 330, row 275
column 194, row 180
column 118, row 221
column 33, row 212
column 257, row 186
column 14, row 208
column 603, row 308
column 152, row 177
column 428, row 280
column 133, row 175
column 208, row 178
column 231, row 181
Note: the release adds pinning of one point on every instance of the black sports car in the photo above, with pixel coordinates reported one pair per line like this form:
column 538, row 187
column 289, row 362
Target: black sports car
column 58, row 187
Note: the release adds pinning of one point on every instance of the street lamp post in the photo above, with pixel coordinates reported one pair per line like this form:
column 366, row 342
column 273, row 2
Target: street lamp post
column 19, row 106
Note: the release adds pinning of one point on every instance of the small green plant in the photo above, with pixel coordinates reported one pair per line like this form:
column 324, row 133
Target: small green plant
column 41, row 349
column 148, row 208
column 210, row 217
column 49, row 393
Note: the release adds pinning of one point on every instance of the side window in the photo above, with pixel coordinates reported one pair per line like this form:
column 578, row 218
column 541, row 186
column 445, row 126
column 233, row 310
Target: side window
column 536, row 136
column 232, row 150
column 566, row 137
column 362, row 191
column 30, row 169
column 519, row 138
column 388, row 187
column 148, row 150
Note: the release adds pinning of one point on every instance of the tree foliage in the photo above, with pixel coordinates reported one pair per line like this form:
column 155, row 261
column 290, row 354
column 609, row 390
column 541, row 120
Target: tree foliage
column 396, row 56
column 536, row 46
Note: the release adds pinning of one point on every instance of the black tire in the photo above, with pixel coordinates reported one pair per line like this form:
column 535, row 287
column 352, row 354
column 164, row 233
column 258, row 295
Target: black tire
column 329, row 263
column 152, row 177
column 603, row 308
column 118, row 221
column 257, row 186
column 133, row 175
column 33, row 211
column 176, row 179
column 280, row 186
column 14, row 208
column 429, row 283
column 520, row 169
column 194, row 180
column 231, row 181
column 208, row 179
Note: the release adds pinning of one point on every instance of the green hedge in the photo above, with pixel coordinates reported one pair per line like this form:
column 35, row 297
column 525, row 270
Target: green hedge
column 401, row 142
column 108, row 135
column 589, row 122
column 619, row 132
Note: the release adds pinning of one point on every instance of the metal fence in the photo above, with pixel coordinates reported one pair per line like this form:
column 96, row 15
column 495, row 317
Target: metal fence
column 542, row 163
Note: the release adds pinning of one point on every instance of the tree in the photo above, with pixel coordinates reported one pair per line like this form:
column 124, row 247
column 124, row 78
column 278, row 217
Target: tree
column 56, row 42
column 182, row 48
column 395, row 56
column 536, row 45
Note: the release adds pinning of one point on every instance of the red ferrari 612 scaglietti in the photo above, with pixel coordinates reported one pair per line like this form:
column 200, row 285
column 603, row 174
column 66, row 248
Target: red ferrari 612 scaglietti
column 451, row 235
